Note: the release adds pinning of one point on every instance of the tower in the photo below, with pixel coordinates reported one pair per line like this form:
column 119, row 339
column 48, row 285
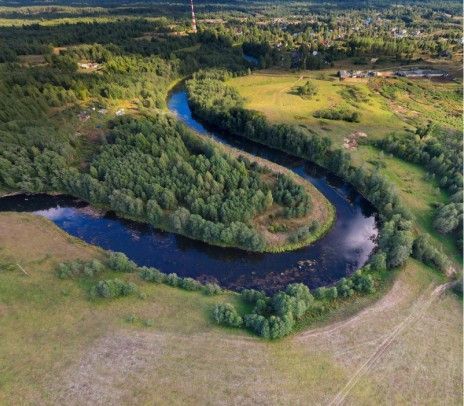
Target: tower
column 194, row 23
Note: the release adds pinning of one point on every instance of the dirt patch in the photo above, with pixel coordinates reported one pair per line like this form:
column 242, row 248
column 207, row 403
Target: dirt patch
column 351, row 142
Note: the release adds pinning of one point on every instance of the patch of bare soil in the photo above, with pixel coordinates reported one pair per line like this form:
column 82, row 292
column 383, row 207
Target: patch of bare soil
column 351, row 141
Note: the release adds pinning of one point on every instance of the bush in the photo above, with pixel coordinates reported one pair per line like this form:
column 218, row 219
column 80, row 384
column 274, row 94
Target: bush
column 226, row 314
column 172, row 279
column 345, row 288
column 425, row 251
column 212, row 289
column 113, row 288
column 378, row 262
column 252, row 295
column 79, row 268
column 119, row 262
column 363, row 282
column 189, row 284
column 152, row 275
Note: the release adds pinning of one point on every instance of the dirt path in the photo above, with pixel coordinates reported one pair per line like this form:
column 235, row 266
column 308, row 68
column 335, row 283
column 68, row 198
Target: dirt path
column 418, row 310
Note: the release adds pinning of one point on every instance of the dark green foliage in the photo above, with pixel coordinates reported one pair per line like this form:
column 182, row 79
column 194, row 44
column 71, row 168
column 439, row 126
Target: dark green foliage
column 113, row 288
column 396, row 240
column 79, row 268
column 172, row 279
column 308, row 90
column 252, row 295
column 378, row 262
column 437, row 151
column 225, row 314
column 190, row 284
column 448, row 218
column 363, row 282
column 221, row 106
column 152, row 275
column 211, row 289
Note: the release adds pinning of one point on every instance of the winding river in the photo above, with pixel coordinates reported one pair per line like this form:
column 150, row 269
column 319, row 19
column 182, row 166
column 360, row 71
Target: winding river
column 343, row 250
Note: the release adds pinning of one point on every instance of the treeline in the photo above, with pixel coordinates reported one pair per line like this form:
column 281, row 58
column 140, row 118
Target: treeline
column 276, row 316
column 441, row 156
column 221, row 106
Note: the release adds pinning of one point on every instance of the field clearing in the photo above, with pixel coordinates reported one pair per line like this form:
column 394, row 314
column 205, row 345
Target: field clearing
column 57, row 347
column 271, row 93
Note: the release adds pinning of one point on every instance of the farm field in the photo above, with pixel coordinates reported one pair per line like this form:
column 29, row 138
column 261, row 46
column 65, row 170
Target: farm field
column 58, row 347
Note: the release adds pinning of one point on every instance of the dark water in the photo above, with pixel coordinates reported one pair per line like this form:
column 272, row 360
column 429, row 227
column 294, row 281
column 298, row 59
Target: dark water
column 344, row 249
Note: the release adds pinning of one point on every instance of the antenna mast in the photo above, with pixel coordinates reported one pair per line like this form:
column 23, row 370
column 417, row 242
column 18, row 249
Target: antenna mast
column 194, row 23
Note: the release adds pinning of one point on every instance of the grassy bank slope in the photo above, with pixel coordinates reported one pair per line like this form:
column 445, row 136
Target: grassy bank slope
column 58, row 347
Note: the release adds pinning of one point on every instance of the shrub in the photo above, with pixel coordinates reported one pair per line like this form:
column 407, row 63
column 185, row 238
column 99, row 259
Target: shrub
column 258, row 324
column 425, row 251
column 378, row 261
column 363, row 282
column 189, row 284
column 212, row 289
column 252, row 295
column 172, row 279
column 280, row 326
column 345, row 288
column 113, row 288
column 152, row 275
column 119, row 262
column 79, row 268
column 226, row 314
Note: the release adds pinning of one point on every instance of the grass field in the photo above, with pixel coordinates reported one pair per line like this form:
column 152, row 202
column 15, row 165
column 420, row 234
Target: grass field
column 384, row 105
column 58, row 347
column 271, row 92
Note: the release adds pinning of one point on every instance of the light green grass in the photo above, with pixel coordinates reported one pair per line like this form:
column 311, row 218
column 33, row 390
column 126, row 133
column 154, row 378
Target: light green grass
column 271, row 93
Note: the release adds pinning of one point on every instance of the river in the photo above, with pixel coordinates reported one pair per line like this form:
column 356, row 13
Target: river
column 343, row 250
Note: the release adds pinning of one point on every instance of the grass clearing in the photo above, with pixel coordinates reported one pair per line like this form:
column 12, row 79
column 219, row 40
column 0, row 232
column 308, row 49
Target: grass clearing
column 57, row 347
column 271, row 92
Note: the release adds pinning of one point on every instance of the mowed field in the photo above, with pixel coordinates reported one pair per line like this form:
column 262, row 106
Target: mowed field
column 272, row 93
column 58, row 347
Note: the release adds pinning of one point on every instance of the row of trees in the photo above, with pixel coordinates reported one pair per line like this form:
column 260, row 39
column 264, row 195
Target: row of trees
column 276, row 316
